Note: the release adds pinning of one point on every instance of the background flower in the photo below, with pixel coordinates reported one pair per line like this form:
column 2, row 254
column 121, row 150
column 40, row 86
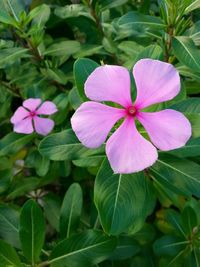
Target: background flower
column 27, row 118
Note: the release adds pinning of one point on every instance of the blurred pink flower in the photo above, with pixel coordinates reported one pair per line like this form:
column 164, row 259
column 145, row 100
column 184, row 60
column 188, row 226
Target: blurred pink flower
column 127, row 150
column 26, row 119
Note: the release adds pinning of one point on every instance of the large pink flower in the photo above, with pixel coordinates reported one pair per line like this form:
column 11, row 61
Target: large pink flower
column 127, row 150
column 29, row 114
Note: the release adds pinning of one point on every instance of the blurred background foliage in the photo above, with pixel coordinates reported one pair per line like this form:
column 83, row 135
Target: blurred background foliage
column 56, row 207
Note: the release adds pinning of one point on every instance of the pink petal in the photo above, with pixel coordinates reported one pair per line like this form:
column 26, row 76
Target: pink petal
column 43, row 126
column 109, row 83
column 24, row 126
column 128, row 151
column 32, row 103
column 156, row 81
column 93, row 121
column 47, row 108
column 168, row 129
column 19, row 115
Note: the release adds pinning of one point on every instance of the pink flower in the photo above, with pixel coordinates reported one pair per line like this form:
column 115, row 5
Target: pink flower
column 28, row 115
column 127, row 150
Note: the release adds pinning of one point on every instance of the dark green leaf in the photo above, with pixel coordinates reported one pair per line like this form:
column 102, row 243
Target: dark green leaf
column 121, row 200
column 83, row 67
column 32, row 230
column 9, row 225
column 71, row 210
column 85, row 249
column 8, row 256
column 186, row 51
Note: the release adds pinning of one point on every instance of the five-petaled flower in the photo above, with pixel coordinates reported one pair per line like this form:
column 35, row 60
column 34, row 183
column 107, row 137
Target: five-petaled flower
column 127, row 150
column 27, row 118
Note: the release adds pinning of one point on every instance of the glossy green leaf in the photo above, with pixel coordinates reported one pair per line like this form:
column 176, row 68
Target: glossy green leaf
column 71, row 210
column 83, row 67
column 63, row 48
column 186, row 51
column 61, row 146
column 8, row 256
column 189, row 221
column 84, row 249
column 180, row 175
column 191, row 149
column 121, row 200
column 137, row 20
column 32, row 230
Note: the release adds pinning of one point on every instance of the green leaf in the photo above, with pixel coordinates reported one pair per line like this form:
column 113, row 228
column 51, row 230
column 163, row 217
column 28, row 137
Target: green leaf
column 126, row 248
column 10, row 55
column 83, row 67
column 71, row 210
column 138, row 21
column 169, row 245
column 9, row 224
column 63, row 146
column 121, row 200
column 191, row 149
column 63, row 48
column 107, row 4
column 74, row 10
column 13, row 142
column 23, row 186
column 180, row 175
column 151, row 51
column 8, row 256
column 39, row 15
column 189, row 220
column 32, row 230
column 51, row 205
column 85, row 249
column 186, row 51
column 194, row 5
column 6, row 18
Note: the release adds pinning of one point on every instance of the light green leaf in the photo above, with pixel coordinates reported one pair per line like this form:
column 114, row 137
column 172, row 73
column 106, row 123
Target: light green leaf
column 186, row 51
column 32, row 230
column 39, row 15
column 71, row 210
column 138, row 20
column 194, row 5
column 10, row 55
column 121, row 200
column 8, row 256
column 63, row 48
column 74, row 10
column 107, row 4
column 85, row 249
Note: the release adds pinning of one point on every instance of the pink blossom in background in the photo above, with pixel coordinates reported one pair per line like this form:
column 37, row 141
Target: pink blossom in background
column 127, row 150
column 27, row 118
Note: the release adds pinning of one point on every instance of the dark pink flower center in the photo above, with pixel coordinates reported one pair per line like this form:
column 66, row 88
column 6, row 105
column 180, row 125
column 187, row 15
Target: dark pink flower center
column 32, row 114
column 131, row 111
